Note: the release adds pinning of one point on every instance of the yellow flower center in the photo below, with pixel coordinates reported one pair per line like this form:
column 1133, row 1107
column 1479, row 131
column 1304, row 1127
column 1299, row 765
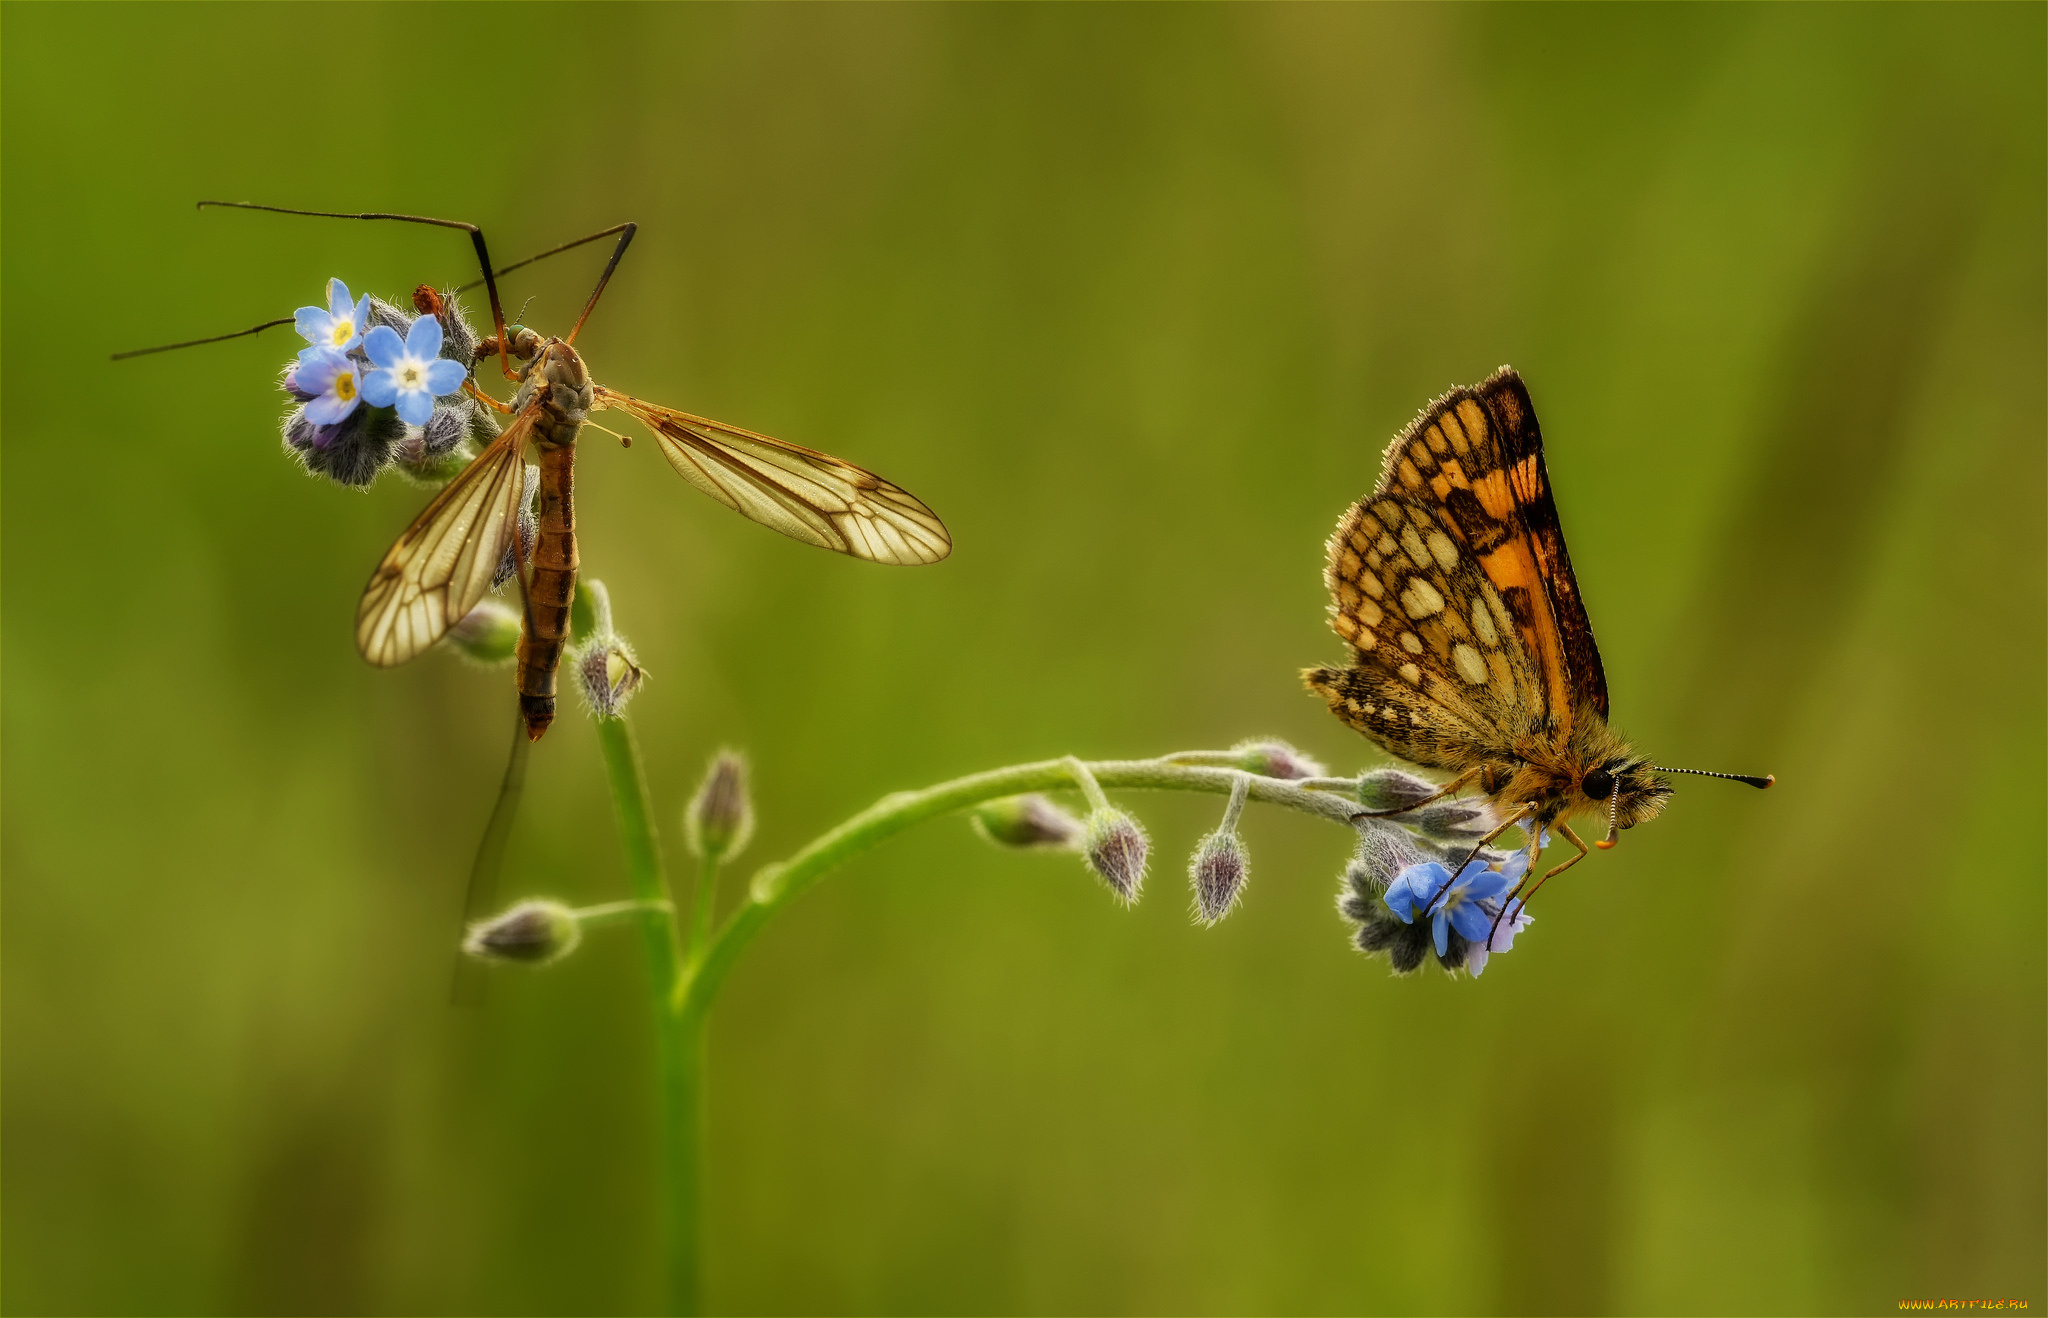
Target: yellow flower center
column 413, row 378
column 343, row 331
column 345, row 386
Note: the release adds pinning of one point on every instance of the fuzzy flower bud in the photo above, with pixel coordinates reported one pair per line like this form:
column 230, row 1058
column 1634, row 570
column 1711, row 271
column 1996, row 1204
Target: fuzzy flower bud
column 1275, row 759
column 1027, row 821
column 1393, row 789
column 488, row 633
column 1115, row 846
column 1218, row 870
column 1453, row 822
column 608, row 674
column 533, row 933
column 719, row 821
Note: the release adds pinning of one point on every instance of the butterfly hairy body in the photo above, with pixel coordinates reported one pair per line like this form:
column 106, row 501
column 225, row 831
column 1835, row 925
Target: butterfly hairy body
column 1470, row 648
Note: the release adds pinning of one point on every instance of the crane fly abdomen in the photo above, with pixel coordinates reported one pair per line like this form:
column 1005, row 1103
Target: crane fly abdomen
column 559, row 391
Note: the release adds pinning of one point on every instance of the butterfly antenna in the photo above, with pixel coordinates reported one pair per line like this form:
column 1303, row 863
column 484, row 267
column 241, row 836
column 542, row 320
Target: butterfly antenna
column 1750, row 778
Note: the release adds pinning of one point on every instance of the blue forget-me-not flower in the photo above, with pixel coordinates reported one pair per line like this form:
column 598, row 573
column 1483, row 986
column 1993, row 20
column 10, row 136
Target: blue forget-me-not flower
column 1465, row 910
column 1501, row 939
column 409, row 372
column 330, row 380
column 340, row 325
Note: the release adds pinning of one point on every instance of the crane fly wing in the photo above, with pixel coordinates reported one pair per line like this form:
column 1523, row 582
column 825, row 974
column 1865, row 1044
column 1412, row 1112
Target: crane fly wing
column 443, row 564
column 807, row 495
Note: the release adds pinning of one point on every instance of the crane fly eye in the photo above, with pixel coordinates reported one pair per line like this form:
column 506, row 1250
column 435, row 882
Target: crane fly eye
column 1598, row 784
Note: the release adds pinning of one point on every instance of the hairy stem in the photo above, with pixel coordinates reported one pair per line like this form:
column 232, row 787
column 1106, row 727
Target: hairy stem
column 775, row 886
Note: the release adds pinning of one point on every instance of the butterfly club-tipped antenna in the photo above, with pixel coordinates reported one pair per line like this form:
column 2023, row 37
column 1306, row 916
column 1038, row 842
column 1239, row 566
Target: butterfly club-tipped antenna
column 1614, row 801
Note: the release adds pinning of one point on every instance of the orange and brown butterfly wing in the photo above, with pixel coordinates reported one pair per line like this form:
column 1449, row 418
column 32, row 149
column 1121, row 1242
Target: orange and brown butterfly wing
column 1507, row 401
column 807, row 495
column 1440, row 674
column 442, row 566
column 1477, row 455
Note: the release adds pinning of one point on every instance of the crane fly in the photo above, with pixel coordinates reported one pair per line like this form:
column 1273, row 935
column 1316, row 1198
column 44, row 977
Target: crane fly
column 443, row 564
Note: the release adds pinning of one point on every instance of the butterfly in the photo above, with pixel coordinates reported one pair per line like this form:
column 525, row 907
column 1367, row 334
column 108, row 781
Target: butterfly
column 1470, row 647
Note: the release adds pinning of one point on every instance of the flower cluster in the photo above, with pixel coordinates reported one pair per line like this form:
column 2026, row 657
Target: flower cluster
column 376, row 386
column 1407, row 903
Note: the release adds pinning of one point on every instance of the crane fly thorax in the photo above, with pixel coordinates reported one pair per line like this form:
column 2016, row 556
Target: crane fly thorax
column 557, row 378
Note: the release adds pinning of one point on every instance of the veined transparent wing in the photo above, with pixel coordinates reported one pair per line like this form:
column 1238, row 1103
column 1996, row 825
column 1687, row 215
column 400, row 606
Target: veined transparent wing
column 807, row 495
column 442, row 566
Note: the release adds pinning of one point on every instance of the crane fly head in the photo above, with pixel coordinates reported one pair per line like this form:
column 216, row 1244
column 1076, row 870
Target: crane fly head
column 526, row 345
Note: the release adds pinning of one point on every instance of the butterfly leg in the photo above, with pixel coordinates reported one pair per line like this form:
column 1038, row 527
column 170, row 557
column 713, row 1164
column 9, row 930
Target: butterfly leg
column 1448, row 789
column 1515, row 817
column 1570, row 837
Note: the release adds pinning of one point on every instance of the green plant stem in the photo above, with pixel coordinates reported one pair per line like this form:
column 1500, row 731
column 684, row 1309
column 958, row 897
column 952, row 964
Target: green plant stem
column 680, row 1042
column 775, row 886
column 689, row 984
column 703, row 906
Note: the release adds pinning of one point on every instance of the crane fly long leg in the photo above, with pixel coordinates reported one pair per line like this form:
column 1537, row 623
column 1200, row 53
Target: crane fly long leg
column 193, row 343
column 807, row 495
column 469, row 387
column 490, row 860
column 625, row 232
column 476, row 238
column 504, row 270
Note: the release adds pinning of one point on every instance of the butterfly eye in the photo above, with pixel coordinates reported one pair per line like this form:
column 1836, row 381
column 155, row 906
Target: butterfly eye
column 1598, row 784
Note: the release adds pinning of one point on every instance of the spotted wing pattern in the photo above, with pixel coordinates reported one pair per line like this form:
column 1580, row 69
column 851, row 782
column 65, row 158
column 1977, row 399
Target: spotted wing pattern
column 1439, row 667
column 1477, row 455
column 1452, row 586
column 442, row 566
column 807, row 495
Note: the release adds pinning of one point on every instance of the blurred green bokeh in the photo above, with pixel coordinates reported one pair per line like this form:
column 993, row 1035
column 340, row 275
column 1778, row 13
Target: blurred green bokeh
column 1135, row 297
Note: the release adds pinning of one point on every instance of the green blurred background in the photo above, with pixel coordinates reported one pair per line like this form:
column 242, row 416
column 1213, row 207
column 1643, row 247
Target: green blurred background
column 1135, row 297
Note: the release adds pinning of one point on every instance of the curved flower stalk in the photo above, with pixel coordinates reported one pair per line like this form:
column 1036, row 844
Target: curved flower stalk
column 1398, row 888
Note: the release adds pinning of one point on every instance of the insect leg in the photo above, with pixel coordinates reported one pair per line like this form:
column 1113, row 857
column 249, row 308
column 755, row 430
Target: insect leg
column 1514, row 817
column 490, row 857
column 625, row 232
column 1570, row 837
column 476, row 238
column 1448, row 789
column 193, row 343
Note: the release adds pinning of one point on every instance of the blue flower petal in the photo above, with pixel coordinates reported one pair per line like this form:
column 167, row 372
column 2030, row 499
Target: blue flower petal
column 379, row 388
column 1483, row 886
column 1472, row 920
column 415, row 407
column 317, row 368
column 1475, row 961
column 327, row 409
column 338, row 300
column 1412, row 887
column 386, row 349
column 362, row 311
column 311, row 323
column 1515, row 866
column 424, row 339
column 445, row 376
column 1443, row 933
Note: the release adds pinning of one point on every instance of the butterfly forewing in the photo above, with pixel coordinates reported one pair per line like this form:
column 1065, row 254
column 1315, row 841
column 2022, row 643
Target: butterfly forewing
column 806, row 495
column 1476, row 457
column 442, row 566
